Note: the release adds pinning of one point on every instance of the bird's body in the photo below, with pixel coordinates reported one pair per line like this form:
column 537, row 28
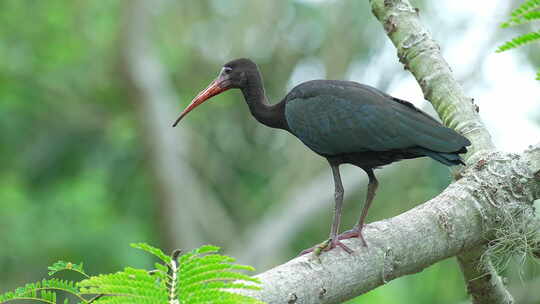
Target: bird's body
column 364, row 126
column 345, row 122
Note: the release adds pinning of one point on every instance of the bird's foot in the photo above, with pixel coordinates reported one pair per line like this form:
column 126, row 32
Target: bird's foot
column 327, row 246
column 355, row 232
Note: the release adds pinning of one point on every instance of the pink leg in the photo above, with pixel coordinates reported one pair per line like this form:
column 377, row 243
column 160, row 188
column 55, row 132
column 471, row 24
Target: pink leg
column 333, row 241
column 357, row 230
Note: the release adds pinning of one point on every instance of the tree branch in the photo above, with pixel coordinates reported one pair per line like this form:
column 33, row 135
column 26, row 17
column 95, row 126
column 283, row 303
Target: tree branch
column 481, row 284
column 461, row 218
column 421, row 55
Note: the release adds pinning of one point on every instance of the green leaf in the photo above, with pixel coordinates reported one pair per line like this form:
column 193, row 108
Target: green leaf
column 200, row 276
column 152, row 250
column 132, row 285
column 62, row 265
column 525, row 18
column 519, row 41
column 43, row 291
column 527, row 12
column 525, row 7
column 206, row 277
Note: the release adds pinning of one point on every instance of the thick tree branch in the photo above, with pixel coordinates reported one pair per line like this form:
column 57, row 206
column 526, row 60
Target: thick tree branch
column 422, row 56
column 461, row 218
column 481, row 284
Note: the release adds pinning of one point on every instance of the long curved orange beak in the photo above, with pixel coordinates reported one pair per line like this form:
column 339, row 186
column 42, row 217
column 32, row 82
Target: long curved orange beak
column 214, row 88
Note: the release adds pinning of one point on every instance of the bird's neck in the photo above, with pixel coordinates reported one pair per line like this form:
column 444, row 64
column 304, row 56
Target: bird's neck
column 272, row 115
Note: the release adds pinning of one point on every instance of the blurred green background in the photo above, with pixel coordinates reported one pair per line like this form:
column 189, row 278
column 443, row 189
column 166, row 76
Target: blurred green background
column 89, row 89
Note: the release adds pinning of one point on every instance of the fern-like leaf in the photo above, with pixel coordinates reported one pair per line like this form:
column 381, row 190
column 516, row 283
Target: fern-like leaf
column 525, row 7
column 200, row 276
column 153, row 250
column 128, row 286
column 43, row 291
column 528, row 11
column 63, row 266
column 525, row 18
column 205, row 278
column 519, row 41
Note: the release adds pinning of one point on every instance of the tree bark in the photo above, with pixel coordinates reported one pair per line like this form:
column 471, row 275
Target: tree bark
column 455, row 222
column 481, row 284
column 421, row 55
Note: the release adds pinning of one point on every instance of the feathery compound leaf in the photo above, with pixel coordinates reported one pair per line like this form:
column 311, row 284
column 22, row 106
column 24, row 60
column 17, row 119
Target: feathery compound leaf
column 206, row 249
column 211, row 259
column 152, row 250
column 528, row 11
column 43, row 291
column 200, row 276
column 162, row 268
column 214, row 267
column 525, row 7
column 128, row 286
column 62, row 265
column 525, row 18
column 59, row 284
column 519, row 41
column 205, row 278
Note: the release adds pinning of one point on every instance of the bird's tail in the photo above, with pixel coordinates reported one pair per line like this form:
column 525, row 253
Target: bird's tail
column 449, row 159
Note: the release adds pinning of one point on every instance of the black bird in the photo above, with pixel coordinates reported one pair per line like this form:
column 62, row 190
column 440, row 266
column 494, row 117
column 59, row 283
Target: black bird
column 345, row 122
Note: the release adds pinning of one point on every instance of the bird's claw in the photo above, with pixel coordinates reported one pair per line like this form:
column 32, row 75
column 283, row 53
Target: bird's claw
column 327, row 246
column 355, row 232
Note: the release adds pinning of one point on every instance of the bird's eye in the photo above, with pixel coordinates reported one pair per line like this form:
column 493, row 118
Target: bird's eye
column 227, row 70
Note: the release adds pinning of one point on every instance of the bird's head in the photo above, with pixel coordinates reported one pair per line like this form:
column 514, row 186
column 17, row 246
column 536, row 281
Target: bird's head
column 233, row 74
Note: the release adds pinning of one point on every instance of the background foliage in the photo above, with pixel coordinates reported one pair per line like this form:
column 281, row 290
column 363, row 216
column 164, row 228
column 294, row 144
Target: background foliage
column 76, row 182
column 194, row 277
column 528, row 11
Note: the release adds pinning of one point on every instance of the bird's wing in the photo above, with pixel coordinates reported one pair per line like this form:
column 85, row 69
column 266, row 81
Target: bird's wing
column 332, row 126
column 424, row 131
column 361, row 118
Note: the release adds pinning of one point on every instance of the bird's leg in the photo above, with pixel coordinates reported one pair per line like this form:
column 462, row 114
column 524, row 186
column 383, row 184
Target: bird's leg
column 338, row 198
column 333, row 241
column 357, row 230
